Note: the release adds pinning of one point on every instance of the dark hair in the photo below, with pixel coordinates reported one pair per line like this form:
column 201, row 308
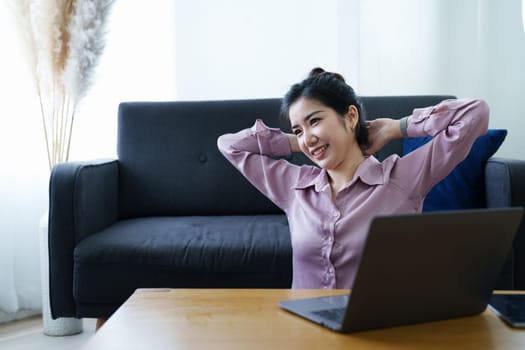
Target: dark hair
column 331, row 90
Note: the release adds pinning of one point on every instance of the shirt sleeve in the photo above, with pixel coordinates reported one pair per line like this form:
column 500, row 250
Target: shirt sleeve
column 454, row 126
column 254, row 151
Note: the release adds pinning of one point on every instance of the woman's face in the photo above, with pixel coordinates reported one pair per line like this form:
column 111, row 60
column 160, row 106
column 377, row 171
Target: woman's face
column 322, row 134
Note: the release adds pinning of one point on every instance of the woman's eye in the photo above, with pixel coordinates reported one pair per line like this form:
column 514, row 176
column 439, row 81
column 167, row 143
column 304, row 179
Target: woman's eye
column 297, row 132
column 314, row 121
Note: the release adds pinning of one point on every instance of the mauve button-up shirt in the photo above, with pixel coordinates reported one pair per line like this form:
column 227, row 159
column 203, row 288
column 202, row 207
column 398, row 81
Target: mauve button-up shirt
column 328, row 236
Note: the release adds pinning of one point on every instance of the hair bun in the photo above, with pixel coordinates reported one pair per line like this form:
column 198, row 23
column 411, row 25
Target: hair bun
column 318, row 71
column 315, row 72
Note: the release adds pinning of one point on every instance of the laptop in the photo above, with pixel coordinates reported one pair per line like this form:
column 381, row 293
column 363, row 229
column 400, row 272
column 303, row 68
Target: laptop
column 419, row 268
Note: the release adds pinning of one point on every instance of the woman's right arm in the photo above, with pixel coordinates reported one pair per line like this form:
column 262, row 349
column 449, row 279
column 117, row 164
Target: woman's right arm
column 253, row 151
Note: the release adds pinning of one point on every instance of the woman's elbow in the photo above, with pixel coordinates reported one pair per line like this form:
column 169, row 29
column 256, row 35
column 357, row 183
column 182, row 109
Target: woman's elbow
column 223, row 144
column 482, row 112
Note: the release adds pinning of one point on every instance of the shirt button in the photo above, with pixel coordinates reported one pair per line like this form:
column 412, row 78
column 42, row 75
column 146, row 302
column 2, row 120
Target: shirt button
column 331, row 271
column 330, row 240
column 335, row 214
column 325, row 287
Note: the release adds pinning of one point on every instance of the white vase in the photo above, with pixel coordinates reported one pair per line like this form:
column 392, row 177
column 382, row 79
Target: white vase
column 60, row 326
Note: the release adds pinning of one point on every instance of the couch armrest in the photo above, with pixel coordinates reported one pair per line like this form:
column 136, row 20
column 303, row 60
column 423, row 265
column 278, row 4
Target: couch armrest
column 83, row 199
column 505, row 187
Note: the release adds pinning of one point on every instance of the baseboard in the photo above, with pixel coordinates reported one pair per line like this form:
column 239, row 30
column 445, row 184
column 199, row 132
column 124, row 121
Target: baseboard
column 8, row 317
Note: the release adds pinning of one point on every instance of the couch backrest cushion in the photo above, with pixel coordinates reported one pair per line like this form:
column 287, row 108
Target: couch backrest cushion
column 169, row 163
column 464, row 187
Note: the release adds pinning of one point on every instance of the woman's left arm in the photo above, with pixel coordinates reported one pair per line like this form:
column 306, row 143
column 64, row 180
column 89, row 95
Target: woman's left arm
column 454, row 126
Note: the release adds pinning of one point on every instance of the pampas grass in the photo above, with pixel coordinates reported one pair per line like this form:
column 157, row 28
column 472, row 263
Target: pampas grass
column 63, row 41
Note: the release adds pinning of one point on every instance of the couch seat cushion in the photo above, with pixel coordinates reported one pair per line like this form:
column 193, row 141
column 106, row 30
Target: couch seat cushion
column 183, row 252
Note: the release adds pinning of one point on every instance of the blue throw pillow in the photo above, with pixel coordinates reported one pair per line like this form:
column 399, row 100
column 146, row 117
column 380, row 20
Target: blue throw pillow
column 464, row 187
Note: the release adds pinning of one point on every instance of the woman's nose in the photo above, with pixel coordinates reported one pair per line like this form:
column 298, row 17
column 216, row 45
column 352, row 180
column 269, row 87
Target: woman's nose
column 310, row 139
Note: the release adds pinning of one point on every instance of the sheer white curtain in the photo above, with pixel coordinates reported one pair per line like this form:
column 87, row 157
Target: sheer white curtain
column 23, row 178
column 138, row 64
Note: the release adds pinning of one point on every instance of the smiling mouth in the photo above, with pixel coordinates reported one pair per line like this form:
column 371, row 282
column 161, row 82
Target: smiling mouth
column 316, row 153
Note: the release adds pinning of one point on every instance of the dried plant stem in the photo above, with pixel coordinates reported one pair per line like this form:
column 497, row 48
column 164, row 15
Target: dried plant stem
column 58, row 121
column 70, row 133
column 45, row 128
column 62, row 121
column 56, row 142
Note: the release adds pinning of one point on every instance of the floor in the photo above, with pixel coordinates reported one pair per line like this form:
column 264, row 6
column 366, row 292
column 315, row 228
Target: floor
column 28, row 334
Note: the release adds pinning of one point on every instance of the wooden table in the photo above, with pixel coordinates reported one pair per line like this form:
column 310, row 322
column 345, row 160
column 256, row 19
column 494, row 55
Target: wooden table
column 251, row 319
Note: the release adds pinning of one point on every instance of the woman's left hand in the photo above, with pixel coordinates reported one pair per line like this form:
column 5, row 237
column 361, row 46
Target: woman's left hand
column 380, row 132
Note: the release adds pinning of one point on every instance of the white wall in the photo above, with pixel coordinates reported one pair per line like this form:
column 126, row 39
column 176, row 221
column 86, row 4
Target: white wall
column 398, row 51
column 471, row 48
column 248, row 49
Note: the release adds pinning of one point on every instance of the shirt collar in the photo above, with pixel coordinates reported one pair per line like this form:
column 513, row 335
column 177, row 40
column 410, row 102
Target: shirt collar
column 369, row 172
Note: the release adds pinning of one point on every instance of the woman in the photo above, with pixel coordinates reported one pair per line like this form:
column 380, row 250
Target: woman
column 330, row 207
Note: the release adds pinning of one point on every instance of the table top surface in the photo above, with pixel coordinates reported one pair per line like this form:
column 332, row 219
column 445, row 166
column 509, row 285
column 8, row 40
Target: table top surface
column 252, row 319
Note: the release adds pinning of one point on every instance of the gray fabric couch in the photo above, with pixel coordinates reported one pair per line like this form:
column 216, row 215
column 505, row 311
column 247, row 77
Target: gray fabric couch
column 170, row 211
